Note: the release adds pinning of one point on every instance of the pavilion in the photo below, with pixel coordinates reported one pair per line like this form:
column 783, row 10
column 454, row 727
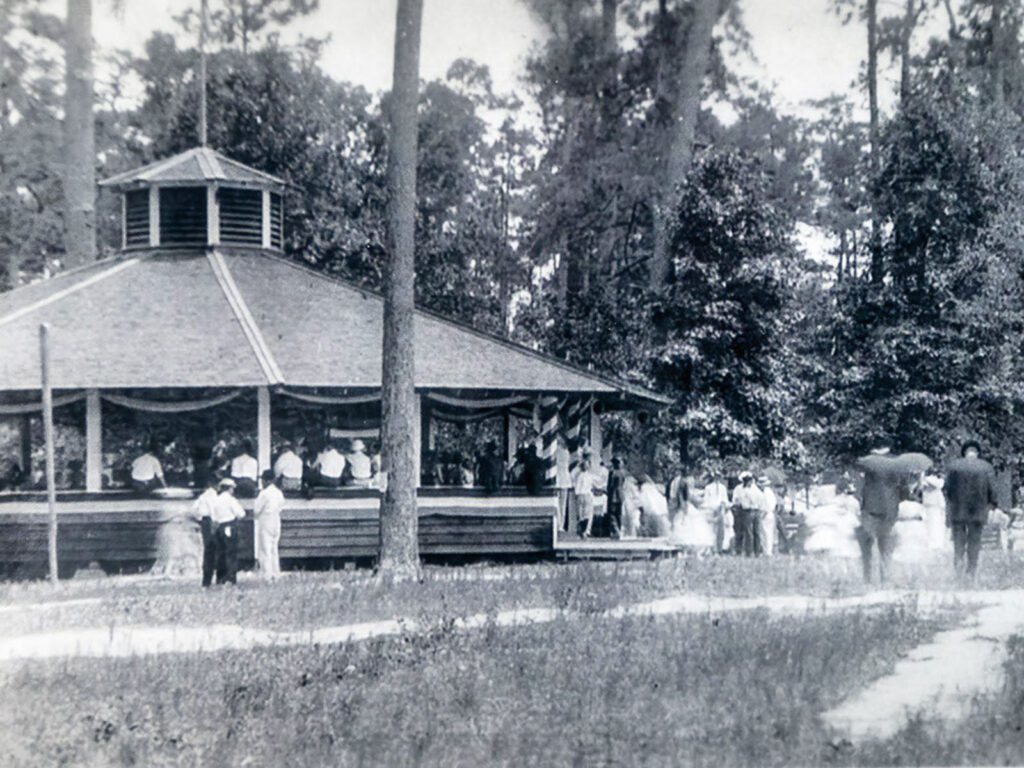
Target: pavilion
column 202, row 298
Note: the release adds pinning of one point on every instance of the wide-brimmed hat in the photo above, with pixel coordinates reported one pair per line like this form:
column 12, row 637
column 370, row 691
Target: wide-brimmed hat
column 744, row 476
column 227, row 482
column 358, row 445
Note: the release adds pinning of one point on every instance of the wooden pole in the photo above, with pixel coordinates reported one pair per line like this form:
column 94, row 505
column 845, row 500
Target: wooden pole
column 93, row 441
column 51, row 493
column 202, row 74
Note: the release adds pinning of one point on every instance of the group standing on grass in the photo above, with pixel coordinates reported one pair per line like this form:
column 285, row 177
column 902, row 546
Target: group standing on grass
column 970, row 495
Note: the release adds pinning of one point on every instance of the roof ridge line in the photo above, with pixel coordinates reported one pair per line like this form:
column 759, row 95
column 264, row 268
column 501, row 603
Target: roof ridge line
column 241, row 311
column 28, row 309
column 149, row 171
column 622, row 386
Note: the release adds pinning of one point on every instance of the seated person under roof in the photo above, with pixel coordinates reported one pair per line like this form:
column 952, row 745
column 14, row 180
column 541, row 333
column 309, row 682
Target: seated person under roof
column 245, row 472
column 289, row 468
column 360, row 468
column 328, row 467
column 147, row 473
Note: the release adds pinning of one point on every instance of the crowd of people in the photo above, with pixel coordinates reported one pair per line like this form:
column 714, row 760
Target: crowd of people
column 336, row 464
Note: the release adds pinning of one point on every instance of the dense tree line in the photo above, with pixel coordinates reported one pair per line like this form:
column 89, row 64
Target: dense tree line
column 631, row 227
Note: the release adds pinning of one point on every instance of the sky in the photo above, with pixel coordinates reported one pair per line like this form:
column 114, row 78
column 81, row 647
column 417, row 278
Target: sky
column 799, row 45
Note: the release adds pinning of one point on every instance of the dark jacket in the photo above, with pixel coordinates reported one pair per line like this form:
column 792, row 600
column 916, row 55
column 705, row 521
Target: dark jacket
column 616, row 488
column 970, row 490
column 885, row 486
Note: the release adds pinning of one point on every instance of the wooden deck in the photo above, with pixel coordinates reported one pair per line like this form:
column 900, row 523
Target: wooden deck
column 613, row 549
column 120, row 531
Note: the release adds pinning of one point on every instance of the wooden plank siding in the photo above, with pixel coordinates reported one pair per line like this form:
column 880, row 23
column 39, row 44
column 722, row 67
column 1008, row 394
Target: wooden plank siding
column 114, row 528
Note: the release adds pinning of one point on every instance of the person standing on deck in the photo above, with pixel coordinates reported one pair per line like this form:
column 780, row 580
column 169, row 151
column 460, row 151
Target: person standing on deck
column 563, row 482
column 147, row 473
column 288, row 468
column 616, row 490
column 225, row 512
column 970, row 489
column 245, row 471
column 583, row 487
column 715, row 503
column 267, row 512
column 202, row 513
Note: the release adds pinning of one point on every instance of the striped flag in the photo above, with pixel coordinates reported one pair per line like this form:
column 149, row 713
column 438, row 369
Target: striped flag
column 573, row 414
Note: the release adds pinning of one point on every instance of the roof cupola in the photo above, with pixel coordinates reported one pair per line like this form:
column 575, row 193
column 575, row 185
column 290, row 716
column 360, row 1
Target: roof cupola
column 199, row 199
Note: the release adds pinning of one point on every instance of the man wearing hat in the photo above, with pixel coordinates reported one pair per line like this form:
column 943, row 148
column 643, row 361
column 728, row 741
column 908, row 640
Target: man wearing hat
column 970, row 489
column 225, row 512
column 360, row 468
column 746, row 504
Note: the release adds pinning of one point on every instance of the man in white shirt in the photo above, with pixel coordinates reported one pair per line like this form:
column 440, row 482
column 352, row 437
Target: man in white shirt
column 360, row 468
column 288, row 469
column 244, row 471
column 202, row 513
column 329, row 466
column 147, row 473
column 225, row 512
column 267, row 512
column 747, row 502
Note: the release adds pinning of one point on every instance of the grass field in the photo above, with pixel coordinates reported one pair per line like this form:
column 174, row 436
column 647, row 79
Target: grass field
column 745, row 688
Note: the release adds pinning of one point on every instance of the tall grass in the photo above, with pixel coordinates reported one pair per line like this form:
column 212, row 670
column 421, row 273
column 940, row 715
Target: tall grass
column 744, row 689
column 307, row 600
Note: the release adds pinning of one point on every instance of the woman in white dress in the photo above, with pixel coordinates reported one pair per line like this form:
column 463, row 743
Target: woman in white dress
column 630, row 509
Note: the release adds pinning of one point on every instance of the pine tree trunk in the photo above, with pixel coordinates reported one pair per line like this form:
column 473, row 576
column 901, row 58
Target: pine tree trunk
column 79, row 138
column 877, row 267
column 11, row 266
column 681, row 131
column 399, row 549
column 909, row 19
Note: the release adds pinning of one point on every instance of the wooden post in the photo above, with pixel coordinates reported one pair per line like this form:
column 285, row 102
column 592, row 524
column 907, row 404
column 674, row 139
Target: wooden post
column 426, row 433
column 212, row 216
column 25, row 433
column 417, row 437
column 596, row 438
column 93, row 441
column 154, row 216
column 509, row 438
column 263, row 427
column 51, row 493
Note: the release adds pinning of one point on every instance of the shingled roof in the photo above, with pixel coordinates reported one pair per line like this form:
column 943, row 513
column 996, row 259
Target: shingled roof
column 195, row 166
column 248, row 318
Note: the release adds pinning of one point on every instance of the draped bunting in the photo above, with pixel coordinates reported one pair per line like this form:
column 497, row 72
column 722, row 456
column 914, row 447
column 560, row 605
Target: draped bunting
column 548, row 407
column 329, row 399
column 463, row 402
column 573, row 414
column 351, row 434
column 19, row 408
column 464, row 418
column 170, row 406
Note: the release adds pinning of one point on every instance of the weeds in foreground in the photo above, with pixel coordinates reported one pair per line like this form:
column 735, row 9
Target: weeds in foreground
column 744, row 689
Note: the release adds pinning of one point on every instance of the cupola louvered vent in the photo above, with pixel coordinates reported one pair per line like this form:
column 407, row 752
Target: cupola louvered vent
column 241, row 216
column 276, row 220
column 136, row 218
column 183, row 216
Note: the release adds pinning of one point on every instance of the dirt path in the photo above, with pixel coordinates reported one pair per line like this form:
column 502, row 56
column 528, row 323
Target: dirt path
column 939, row 678
column 128, row 640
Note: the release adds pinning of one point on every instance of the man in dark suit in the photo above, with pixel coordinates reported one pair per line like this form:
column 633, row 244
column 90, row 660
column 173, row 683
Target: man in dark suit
column 970, row 489
column 885, row 486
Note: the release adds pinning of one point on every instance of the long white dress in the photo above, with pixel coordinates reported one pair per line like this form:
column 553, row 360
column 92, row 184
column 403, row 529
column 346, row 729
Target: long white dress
column 694, row 528
column 768, row 521
column 630, row 509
